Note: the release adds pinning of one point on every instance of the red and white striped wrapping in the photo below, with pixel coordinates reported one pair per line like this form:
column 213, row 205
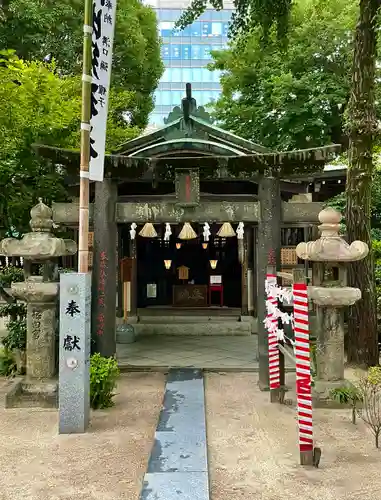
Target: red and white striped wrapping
column 303, row 366
column 274, row 373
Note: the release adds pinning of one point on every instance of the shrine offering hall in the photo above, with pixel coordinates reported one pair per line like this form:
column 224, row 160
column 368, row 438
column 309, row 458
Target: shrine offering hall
column 185, row 223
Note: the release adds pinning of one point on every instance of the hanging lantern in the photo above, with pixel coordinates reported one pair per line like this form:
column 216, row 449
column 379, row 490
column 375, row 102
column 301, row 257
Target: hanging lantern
column 226, row 230
column 167, row 264
column 178, row 246
column 213, row 263
column 240, row 231
column 206, row 233
column 133, row 231
column 148, row 231
column 204, row 246
column 168, row 232
column 187, row 232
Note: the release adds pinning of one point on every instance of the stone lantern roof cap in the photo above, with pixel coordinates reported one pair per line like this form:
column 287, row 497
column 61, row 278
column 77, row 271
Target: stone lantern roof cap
column 331, row 247
column 40, row 244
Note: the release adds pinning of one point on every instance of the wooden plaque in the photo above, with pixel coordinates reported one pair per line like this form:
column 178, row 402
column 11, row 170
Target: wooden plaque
column 183, row 272
column 190, row 295
column 187, row 182
column 215, row 280
column 91, row 239
column 288, row 256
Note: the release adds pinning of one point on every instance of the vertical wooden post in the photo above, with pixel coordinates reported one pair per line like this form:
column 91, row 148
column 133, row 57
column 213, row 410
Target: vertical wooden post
column 268, row 252
column 83, row 244
column 104, row 268
column 134, row 280
column 244, row 269
column 303, row 367
column 254, row 275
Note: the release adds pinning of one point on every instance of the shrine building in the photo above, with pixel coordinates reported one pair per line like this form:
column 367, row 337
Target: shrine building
column 186, row 221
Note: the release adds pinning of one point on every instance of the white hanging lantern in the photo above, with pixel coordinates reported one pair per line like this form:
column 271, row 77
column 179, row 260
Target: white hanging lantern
column 187, row 232
column 133, row 231
column 148, row 231
column 206, row 232
column 226, row 230
column 168, row 232
column 240, row 231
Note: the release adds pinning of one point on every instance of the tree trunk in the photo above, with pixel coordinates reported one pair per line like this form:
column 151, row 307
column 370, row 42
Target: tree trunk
column 362, row 125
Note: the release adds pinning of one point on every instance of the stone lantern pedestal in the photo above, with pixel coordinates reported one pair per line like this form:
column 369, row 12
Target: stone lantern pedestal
column 39, row 387
column 330, row 303
column 330, row 295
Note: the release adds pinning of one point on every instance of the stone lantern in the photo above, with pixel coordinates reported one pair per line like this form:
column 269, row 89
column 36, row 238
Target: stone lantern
column 330, row 294
column 40, row 294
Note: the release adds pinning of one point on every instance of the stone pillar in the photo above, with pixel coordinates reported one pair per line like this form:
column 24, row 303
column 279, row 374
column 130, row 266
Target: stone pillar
column 41, row 323
column 330, row 343
column 268, row 253
column 104, row 269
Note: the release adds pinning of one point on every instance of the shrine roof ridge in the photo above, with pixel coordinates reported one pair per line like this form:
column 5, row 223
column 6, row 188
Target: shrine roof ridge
column 284, row 164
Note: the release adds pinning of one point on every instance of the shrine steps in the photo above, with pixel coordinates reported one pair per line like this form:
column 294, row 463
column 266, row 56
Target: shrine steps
column 197, row 322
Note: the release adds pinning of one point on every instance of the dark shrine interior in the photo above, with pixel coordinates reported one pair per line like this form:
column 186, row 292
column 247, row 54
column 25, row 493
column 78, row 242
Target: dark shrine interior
column 152, row 252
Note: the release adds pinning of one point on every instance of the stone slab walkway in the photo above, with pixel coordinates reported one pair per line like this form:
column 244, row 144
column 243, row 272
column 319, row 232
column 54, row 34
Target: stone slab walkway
column 178, row 468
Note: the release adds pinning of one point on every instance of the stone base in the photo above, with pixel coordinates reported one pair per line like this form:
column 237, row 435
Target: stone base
column 321, row 394
column 125, row 334
column 24, row 393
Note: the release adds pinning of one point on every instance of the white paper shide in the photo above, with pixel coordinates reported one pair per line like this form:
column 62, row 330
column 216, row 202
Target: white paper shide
column 102, row 43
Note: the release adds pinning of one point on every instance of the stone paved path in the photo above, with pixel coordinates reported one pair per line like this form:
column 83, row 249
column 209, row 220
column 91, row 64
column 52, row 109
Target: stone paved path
column 178, row 469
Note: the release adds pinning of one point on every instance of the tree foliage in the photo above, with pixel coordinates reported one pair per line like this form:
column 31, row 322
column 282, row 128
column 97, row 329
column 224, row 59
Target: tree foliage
column 35, row 106
column 295, row 98
column 248, row 14
column 37, row 28
column 41, row 102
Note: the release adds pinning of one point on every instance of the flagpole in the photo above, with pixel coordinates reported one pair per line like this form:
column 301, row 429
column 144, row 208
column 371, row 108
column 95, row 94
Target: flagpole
column 84, row 182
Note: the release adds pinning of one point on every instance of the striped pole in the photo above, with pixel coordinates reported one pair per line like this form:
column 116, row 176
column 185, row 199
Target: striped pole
column 274, row 371
column 303, row 372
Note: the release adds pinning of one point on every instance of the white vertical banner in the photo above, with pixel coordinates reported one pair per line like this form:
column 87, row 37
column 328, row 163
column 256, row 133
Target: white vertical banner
column 104, row 13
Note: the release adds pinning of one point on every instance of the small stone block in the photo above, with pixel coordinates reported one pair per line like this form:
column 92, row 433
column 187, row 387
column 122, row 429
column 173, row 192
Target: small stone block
column 179, row 452
column 176, row 486
column 74, row 352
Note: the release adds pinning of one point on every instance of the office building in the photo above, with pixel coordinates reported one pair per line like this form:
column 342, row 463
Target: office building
column 186, row 55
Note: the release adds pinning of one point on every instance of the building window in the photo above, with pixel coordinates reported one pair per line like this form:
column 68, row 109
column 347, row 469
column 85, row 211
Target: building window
column 176, row 51
column 205, row 54
column 196, row 28
column 165, row 54
column 186, row 52
column 217, row 29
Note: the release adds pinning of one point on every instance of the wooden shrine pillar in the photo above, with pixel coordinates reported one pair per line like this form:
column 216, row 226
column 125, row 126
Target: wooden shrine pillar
column 244, row 274
column 134, row 280
column 251, row 272
column 269, row 232
column 104, row 284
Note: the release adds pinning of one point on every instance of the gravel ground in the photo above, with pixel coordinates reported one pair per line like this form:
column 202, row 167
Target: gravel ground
column 253, row 450
column 106, row 463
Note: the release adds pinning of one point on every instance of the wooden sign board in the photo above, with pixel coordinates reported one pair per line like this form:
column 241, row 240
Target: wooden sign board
column 190, row 295
column 183, row 272
column 91, row 239
column 288, row 256
column 151, row 291
column 187, row 181
column 215, row 280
